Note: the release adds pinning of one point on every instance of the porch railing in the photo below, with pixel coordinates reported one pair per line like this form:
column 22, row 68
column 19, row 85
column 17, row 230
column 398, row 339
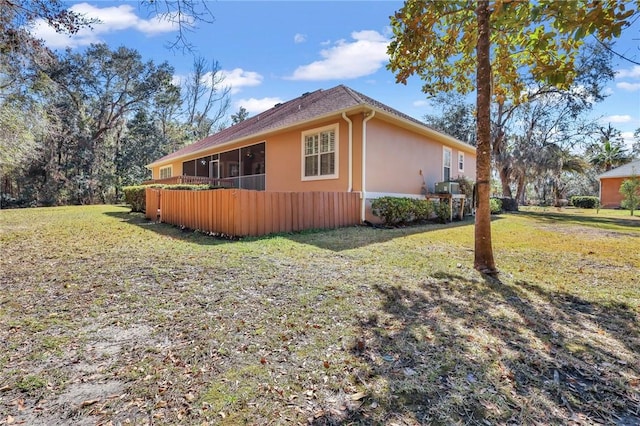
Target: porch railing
column 255, row 182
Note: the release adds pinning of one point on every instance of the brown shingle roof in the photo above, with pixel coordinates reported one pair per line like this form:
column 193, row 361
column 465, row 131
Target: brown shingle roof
column 304, row 108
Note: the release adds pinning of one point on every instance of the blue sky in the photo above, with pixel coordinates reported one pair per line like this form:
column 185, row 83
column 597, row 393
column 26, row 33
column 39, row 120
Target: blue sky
column 272, row 51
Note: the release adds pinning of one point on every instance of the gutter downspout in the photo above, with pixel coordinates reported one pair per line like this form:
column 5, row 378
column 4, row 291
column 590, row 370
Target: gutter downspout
column 368, row 116
column 350, row 184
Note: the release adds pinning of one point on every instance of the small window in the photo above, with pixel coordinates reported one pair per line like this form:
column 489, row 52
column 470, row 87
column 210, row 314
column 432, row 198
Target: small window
column 319, row 154
column 461, row 161
column 446, row 164
column 165, row 172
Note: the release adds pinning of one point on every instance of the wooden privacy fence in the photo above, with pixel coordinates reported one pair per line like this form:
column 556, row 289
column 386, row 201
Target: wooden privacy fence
column 241, row 212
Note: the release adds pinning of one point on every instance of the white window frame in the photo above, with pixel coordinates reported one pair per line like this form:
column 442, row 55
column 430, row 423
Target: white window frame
column 162, row 169
column 446, row 150
column 336, row 130
column 461, row 161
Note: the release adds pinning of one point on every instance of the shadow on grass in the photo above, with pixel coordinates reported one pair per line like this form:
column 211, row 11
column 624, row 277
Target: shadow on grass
column 361, row 236
column 166, row 230
column 328, row 239
column 613, row 223
column 467, row 351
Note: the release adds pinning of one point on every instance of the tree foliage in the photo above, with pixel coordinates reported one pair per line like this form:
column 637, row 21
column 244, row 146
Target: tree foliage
column 96, row 91
column 488, row 46
column 630, row 190
column 609, row 151
column 98, row 115
column 456, row 117
column 18, row 48
column 239, row 116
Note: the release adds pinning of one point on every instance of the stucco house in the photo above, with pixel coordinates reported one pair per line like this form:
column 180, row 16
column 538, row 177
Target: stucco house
column 610, row 182
column 327, row 140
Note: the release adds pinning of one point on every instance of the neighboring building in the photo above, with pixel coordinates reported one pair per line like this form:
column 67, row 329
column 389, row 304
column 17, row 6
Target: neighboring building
column 328, row 140
column 610, row 182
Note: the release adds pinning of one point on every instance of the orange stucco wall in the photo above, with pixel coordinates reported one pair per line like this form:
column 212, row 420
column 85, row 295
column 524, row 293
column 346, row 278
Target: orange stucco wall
column 610, row 192
column 396, row 157
column 284, row 160
column 415, row 157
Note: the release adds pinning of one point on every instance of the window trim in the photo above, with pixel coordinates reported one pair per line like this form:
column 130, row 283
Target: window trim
column 446, row 149
column 336, row 175
column 460, row 161
column 161, row 169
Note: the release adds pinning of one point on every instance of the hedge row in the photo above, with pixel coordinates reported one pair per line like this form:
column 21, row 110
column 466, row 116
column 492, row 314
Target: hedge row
column 400, row 210
column 585, row 201
column 135, row 195
column 397, row 210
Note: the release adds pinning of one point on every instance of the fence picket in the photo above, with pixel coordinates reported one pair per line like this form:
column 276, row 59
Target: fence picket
column 239, row 212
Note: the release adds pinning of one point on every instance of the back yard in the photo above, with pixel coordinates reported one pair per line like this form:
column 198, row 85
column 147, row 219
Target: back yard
column 108, row 318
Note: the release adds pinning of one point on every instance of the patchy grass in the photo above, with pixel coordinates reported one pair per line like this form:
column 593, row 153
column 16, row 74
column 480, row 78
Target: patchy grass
column 106, row 317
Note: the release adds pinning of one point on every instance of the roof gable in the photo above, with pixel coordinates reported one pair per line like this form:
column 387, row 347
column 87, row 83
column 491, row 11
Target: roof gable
column 304, row 108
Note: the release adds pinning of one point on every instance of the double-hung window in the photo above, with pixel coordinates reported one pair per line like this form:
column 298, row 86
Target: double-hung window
column 165, row 172
column 320, row 148
column 446, row 164
column 461, row 161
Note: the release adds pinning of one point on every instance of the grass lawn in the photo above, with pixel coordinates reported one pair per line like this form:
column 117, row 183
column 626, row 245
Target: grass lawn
column 107, row 318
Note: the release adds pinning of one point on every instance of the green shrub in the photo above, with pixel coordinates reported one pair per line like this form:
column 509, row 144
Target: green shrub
column 495, row 205
column 630, row 190
column 422, row 209
column 392, row 210
column 585, row 201
column 443, row 211
column 187, row 187
column 135, row 196
column 397, row 210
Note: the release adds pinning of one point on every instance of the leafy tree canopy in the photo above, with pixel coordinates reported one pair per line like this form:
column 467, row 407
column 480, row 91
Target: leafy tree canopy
column 489, row 46
column 436, row 40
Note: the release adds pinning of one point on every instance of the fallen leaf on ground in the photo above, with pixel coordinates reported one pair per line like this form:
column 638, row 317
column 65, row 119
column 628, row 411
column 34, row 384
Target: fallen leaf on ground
column 88, row 402
column 358, row 396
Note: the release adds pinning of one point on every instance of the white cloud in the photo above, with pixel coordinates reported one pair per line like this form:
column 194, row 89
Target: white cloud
column 256, row 106
column 299, row 38
column 630, row 73
column 363, row 56
column 157, row 25
column 111, row 19
column 177, row 80
column 630, row 87
column 238, row 78
column 420, row 103
column 617, row 119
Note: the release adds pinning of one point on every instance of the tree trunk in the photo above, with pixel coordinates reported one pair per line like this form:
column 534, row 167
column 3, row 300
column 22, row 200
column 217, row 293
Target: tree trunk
column 505, row 180
column 520, row 192
column 483, row 261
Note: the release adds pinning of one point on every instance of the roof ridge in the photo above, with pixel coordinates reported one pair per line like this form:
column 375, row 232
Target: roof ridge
column 308, row 106
column 354, row 94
